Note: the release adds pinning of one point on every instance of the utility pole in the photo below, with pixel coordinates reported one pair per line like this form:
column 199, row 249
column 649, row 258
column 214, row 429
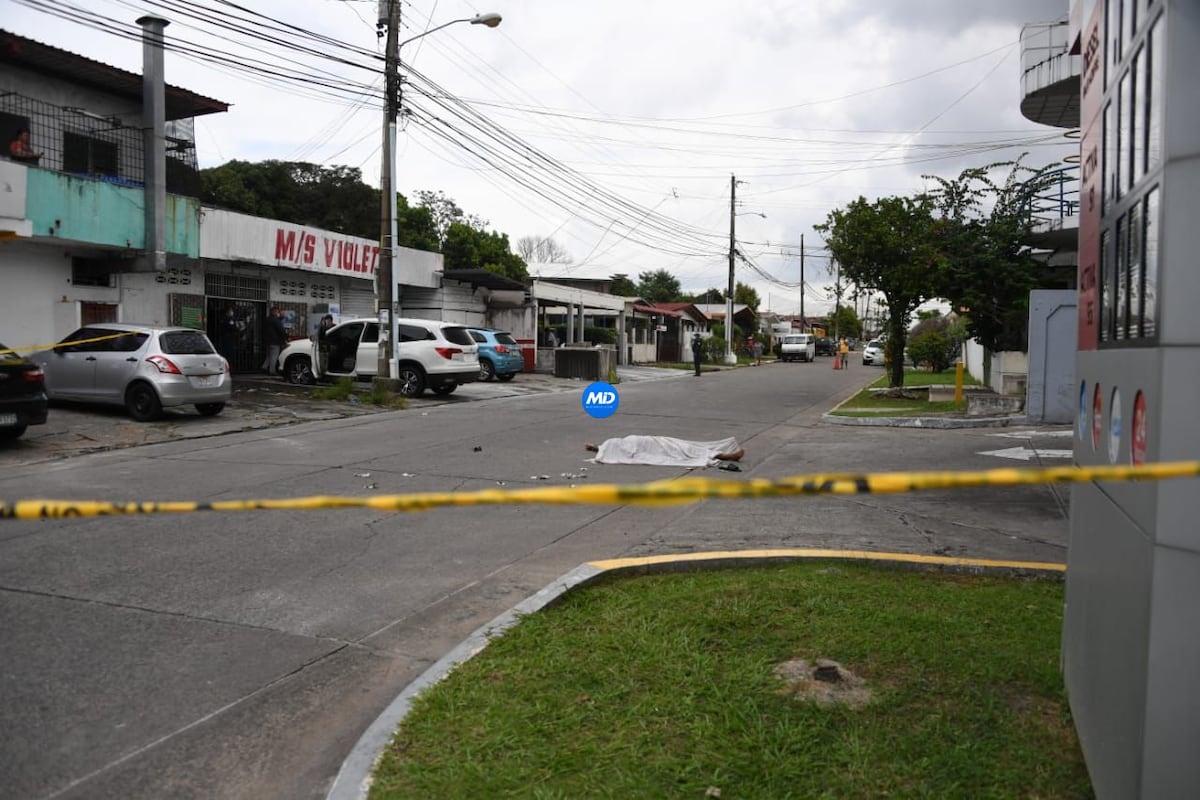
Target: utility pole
column 803, row 321
column 730, row 356
column 384, row 277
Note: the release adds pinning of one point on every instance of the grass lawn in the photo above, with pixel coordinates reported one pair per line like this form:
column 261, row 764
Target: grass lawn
column 870, row 404
column 664, row 686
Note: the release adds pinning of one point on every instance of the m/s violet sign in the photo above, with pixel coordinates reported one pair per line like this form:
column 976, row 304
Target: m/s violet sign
column 304, row 248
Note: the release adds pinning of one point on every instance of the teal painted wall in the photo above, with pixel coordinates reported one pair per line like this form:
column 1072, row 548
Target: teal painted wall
column 97, row 212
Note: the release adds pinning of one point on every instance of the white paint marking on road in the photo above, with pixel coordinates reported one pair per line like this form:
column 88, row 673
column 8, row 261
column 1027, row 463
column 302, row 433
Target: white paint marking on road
column 1026, row 453
column 1031, row 434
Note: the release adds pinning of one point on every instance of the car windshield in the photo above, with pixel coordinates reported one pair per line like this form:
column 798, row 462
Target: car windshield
column 793, row 340
column 458, row 335
column 185, row 343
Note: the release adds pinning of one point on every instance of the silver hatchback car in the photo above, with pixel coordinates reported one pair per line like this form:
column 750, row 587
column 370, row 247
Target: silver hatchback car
column 142, row 367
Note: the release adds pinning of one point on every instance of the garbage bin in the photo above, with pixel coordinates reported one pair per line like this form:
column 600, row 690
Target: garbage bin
column 529, row 353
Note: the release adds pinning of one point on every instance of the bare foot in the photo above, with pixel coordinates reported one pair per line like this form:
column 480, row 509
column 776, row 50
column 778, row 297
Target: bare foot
column 735, row 455
column 591, row 447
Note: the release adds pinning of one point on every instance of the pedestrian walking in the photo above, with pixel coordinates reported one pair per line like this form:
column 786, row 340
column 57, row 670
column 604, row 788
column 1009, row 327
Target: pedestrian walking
column 758, row 351
column 697, row 352
column 844, row 353
column 274, row 338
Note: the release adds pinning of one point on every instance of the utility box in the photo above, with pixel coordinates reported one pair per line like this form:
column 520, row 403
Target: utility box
column 584, row 363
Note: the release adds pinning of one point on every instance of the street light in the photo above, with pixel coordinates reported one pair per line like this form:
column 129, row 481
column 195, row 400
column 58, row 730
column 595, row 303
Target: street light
column 385, row 282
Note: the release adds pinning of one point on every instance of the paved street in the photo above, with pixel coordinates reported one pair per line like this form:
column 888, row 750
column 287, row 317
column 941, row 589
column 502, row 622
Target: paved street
column 241, row 655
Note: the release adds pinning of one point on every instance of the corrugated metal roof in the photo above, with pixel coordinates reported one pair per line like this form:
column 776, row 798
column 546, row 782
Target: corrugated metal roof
column 48, row 60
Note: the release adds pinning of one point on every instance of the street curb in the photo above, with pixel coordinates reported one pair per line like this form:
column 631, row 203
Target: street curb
column 943, row 423
column 354, row 778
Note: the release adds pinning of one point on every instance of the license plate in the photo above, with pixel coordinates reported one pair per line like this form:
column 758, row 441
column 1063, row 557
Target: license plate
column 8, row 419
column 204, row 381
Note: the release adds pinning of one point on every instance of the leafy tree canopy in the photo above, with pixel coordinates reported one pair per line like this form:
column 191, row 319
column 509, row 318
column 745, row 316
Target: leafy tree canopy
column 745, row 295
column 467, row 247
column 331, row 198
column 621, row 285
column 659, row 286
column 887, row 246
column 988, row 270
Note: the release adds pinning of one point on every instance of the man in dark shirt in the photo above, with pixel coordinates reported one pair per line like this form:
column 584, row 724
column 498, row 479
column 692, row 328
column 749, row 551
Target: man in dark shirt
column 274, row 337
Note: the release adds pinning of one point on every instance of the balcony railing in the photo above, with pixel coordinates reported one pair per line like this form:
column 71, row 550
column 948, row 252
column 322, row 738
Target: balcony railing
column 80, row 142
column 1049, row 75
column 1057, row 199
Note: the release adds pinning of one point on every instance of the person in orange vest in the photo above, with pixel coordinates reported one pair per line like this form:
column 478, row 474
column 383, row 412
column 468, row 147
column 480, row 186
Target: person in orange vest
column 844, row 352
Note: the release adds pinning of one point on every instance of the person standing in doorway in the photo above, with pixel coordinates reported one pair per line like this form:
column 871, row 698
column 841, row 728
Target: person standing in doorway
column 697, row 352
column 274, row 337
column 228, row 334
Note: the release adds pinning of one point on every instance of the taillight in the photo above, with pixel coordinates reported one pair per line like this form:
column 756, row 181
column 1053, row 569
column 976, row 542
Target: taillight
column 34, row 375
column 448, row 352
column 501, row 348
column 164, row 364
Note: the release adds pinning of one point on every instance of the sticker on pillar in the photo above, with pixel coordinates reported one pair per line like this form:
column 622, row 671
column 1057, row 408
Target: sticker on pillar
column 600, row 400
column 1081, row 425
column 1097, row 417
column 1114, row 426
column 1137, row 433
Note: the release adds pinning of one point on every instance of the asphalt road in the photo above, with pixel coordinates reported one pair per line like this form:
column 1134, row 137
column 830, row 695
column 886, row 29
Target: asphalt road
column 241, row 655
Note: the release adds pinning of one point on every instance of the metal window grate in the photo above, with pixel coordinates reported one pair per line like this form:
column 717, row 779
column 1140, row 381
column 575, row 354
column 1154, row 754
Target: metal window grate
column 237, row 287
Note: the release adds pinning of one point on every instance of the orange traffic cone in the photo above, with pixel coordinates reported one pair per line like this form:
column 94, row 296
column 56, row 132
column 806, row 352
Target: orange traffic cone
column 837, row 361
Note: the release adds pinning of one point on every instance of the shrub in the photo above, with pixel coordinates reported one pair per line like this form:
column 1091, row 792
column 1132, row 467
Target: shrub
column 933, row 347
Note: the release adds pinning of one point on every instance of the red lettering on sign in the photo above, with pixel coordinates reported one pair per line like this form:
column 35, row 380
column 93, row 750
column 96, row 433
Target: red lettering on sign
column 285, row 245
column 329, row 250
column 310, row 248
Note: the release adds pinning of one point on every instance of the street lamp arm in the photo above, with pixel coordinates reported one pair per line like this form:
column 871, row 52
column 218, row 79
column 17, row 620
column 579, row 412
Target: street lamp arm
column 490, row 19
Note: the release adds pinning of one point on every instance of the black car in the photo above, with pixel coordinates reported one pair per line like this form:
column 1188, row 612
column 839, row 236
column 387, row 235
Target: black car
column 825, row 346
column 22, row 394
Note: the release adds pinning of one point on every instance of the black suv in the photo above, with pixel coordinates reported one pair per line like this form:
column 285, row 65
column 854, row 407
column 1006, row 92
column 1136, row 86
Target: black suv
column 825, row 346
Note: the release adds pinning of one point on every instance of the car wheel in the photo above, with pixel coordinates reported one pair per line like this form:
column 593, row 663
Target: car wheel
column 506, row 377
column 486, row 371
column 12, row 433
column 445, row 389
column 298, row 369
column 412, row 380
column 142, row 402
column 210, row 409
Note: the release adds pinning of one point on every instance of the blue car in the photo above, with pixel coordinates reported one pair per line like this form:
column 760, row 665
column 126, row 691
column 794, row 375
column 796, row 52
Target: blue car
column 499, row 354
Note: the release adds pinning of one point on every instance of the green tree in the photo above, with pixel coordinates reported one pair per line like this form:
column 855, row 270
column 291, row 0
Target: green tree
column 333, row 198
column 846, row 322
column 934, row 341
column 445, row 212
column 887, row 246
column 622, row 286
column 988, row 270
column 659, row 286
column 746, row 296
column 467, row 247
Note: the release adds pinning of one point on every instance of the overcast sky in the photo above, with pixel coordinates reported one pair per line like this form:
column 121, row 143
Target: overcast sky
column 614, row 127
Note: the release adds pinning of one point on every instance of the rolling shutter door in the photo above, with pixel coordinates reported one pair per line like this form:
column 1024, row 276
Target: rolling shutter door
column 358, row 298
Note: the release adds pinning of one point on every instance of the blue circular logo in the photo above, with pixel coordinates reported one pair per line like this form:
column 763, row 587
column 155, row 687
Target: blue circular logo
column 600, row 400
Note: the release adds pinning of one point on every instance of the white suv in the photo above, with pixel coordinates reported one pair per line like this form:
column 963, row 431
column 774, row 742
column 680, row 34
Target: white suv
column 429, row 354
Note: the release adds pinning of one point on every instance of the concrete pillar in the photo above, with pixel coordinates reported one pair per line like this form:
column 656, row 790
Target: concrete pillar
column 154, row 120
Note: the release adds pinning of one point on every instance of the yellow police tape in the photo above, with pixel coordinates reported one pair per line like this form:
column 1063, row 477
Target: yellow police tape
column 683, row 490
column 33, row 348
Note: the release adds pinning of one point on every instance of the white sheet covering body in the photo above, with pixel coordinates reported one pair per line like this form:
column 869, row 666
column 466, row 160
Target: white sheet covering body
column 664, row 451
